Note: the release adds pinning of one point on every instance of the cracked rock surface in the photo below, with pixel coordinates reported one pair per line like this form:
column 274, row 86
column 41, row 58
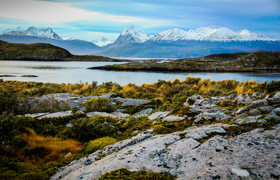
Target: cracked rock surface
column 251, row 155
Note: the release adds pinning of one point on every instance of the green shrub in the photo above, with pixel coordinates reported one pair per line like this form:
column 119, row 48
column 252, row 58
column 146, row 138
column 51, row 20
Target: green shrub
column 99, row 104
column 97, row 144
column 143, row 175
column 160, row 129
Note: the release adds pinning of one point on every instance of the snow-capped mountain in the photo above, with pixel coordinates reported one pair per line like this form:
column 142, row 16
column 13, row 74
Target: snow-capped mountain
column 103, row 42
column 131, row 35
column 33, row 31
column 208, row 34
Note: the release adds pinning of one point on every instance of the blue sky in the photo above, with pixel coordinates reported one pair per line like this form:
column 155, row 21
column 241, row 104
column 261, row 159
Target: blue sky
column 92, row 19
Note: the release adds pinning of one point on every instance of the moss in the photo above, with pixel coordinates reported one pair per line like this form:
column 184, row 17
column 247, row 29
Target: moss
column 143, row 175
column 97, row 144
column 160, row 129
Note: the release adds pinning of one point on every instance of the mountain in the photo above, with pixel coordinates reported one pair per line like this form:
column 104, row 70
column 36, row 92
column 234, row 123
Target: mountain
column 208, row 34
column 42, row 51
column 177, row 43
column 33, row 31
column 103, row 42
column 131, row 35
column 47, row 35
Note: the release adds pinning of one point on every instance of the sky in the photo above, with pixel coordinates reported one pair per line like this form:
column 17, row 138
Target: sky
column 92, row 19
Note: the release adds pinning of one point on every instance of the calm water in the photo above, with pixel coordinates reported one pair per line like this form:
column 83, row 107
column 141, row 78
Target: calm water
column 75, row 72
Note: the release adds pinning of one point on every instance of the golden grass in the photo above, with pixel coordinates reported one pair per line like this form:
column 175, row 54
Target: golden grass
column 45, row 150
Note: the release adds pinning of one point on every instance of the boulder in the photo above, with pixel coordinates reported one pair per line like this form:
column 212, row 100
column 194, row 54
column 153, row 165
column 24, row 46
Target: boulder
column 276, row 111
column 131, row 102
column 216, row 115
column 144, row 112
column 250, row 119
column 266, row 109
column 173, row 118
column 158, row 115
column 247, row 100
column 255, row 112
column 275, row 99
column 258, row 103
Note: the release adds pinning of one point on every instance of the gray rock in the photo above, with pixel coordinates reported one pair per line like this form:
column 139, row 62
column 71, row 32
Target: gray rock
column 272, row 117
column 240, row 99
column 258, row 103
column 276, row 111
column 247, row 100
column 116, row 114
column 57, row 114
column 257, row 95
column 36, row 115
column 241, row 110
column 216, row 115
column 198, row 133
column 275, row 99
column 240, row 172
column 158, row 115
column 144, row 112
column 242, row 115
column 250, row 119
column 172, row 118
column 131, row 102
column 266, row 109
column 234, row 158
column 255, row 112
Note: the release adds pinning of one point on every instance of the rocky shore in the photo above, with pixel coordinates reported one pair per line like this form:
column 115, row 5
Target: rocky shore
column 232, row 137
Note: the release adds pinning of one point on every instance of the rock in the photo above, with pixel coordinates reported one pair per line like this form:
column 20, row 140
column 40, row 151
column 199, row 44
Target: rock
column 57, row 114
column 173, row 118
column 198, row 118
column 158, row 115
column 218, row 157
column 266, row 109
column 275, row 99
column 69, row 125
column 250, row 119
column 240, row 99
column 144, row 112
column 216, row 115
column 242, row 115
column 241, row 110
column 276, row 111
column 131, row 102
column 255, row 112
column 36, row 115
column 68, row 155
column 240, row 172
column 258, row 103
column 198, row 133
column 116, row 114
column 257, row 95
column 247, row 100
column 272, row 117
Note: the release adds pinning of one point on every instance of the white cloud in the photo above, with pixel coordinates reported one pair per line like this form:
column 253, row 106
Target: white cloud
column 44, row 12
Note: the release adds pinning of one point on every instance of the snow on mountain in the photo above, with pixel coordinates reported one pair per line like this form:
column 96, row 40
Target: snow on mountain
column 134, row 35
column 103, row 42
column 208, row 34
column 33, row 31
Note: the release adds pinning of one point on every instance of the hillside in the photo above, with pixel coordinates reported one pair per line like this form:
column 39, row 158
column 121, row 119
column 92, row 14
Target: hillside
column 42, row 51
column 236, row 62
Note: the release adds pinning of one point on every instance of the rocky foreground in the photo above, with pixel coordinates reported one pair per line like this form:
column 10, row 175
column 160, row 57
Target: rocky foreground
column 225, row 143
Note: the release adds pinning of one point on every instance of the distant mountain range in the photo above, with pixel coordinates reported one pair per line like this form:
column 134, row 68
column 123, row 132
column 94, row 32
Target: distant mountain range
column 172, row 43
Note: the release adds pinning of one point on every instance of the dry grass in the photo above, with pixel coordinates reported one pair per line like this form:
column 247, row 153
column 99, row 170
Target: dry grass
column 45, row 150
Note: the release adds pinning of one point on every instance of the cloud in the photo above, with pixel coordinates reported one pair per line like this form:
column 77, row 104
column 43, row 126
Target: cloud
column 47, row 12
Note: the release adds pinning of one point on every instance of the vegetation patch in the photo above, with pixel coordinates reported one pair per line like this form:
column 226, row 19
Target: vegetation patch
column 99, row 104
column 143, row 175
column 97, row 144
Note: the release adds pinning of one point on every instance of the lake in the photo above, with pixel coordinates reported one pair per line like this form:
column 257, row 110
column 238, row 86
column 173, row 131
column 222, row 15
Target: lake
column 75, row 72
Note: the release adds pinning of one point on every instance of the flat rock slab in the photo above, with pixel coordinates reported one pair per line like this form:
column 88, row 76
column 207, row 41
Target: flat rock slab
column 173, row 118
column 118, row 115
column 158, row 115
column 131, row 102
column 216, row 158
column 250, row 119
column 57, row 114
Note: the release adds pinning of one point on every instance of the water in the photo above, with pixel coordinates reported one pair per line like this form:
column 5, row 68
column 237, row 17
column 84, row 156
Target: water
column 75, row 72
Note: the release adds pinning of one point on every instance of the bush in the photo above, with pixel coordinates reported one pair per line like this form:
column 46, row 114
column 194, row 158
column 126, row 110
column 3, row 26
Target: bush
column 99, row 104
column 143, row 175
column 97, row 144
column 160, row 129
column 92, row 128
